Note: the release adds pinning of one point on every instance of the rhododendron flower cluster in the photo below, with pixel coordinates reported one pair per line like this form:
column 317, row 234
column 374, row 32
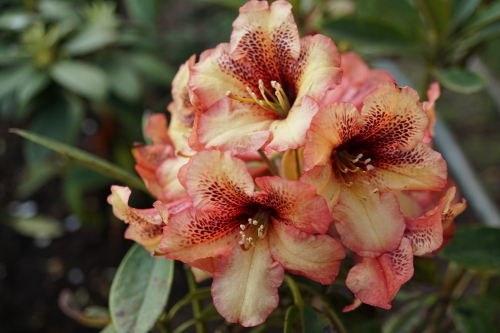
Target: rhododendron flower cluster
column 280, row 154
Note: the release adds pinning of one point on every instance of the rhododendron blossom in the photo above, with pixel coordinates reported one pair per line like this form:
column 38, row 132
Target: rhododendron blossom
column 355, row 155
column 266, row 72
column 256, row 234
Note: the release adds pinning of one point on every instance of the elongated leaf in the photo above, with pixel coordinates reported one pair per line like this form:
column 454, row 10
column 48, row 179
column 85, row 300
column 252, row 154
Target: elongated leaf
column 125, row 82
column 140, row 291
column 142, row 11
column 476, row 315
column 109, row 329
column 81, row 78
column 37, row 81
column 490, row 32
column 483, row 17
column 89, row 39
column 463, row 9
column 438, row 14
column 410, row 318
column 153, row 67
column 477, row 247
column 38, row 226
column 368, row 32
column 309, row 320
column 13, row 77
column 460, row 80
column 86, row 159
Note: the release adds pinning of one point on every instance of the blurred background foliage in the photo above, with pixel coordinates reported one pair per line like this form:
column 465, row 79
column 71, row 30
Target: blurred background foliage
column 87, row 73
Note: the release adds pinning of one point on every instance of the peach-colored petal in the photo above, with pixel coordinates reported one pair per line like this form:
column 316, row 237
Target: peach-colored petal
column 326, row 182
column 318, row 67
column 239, row 130
column 316, row 257
column 355, row 304
column 156, row 129
column 376, row 281
column 217, row 181
column 145, row 225
column 290, row 132
column 420, row 168
column 267, row 31
column 430, row 107
column 425, row 233
column 245, row 285
column 167, row 179
column 392, row 118
column 194, row 234
column 333, row 125
column 207, row 265
column 181, row 109
column 358, row 80
column 294, row 203
column 370, row 226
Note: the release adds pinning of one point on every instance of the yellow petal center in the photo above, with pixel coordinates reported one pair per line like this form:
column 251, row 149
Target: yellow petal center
column 348, row 165
column 253, row 230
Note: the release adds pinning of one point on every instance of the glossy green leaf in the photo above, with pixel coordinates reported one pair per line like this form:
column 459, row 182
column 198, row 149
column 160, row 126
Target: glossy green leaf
column 235, row 4
column 81, row 78
column 59, row 119
column 90, row 39
column 109, row 329
column 140, row 291
column 35, row 83
column 477, row 247
column 86, row 159
column 460, row 80
column 476, row 315
column 125, row 82
column 309, row 320
column 437, row 13
column 463, row 9
column 488, row 33
column 153, row 67
column 12, row 77
column 142, row 11
column 16, row 20
column 411, row 317
column 483, row 17
column 34, row 176
column 367, row 32
column 38, row 226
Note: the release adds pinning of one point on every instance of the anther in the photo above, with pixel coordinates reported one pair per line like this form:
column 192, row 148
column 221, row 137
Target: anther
column 242, row 226
column 255, row 222
column 368, row 160
column 370, row 167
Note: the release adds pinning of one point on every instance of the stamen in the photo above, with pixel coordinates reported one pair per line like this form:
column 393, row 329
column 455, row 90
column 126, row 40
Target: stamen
column 370, row 167
column 242, row 226
column 255, row 222
column 368, row 160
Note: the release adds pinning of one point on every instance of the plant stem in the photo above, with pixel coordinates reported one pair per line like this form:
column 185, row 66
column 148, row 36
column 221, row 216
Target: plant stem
column 269, row 163
column 452, row 278
column 200, row 326
column 297, row 297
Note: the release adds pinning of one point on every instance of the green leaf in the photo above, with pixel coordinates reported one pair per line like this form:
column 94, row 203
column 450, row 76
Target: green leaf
column 140, row 290
column 91, row 38
column 12, row 77
column 38, row 226
column 16, row 20
column 109, row 329
column 437, row 13
column 37, row 82
column 86, row 159
column 476, row 315
column 153, row 68
column 309, row 320
column 368, row 32
column 460, row 80
column 410, row 317
column 35, row 176
column 81, row 78
column 58, row 120
column 142, row 11
column 463, row 9
column 477, row 247
column 483, row 17
column 125, row 82
column 490, row 32
column 235, row 4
